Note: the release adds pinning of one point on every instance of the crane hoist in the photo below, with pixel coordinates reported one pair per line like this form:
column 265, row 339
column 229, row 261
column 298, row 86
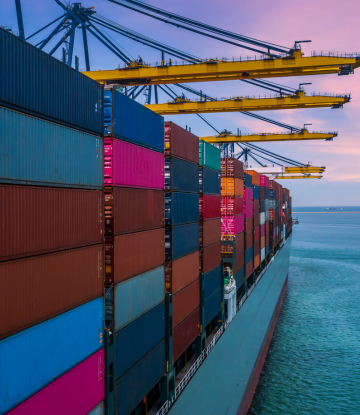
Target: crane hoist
column 139, row 73
column 182, row 105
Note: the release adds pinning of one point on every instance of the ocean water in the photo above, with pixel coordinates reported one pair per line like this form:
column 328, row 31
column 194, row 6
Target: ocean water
column 313, row 363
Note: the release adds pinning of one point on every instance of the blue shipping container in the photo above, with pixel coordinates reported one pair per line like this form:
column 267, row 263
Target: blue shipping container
column 249, row 254
column 212, row 306
column 262, row 205
column 212, row 281
column 128, row 120
column 39, row 152
column 271, row 194
column 267, row 190
column 267, row 249
column 247, row 180
column 256, row 191
column 34, row 82
column 140, row 379
column 138, row 338
column 181, row 175
column 181, row 208
column 239, row 277
column 209, row 181
column 138, row 295
column 181, row 240
column 31, row 359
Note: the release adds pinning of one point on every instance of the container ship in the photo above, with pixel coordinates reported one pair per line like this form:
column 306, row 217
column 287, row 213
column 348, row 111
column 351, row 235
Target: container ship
column 140, row 271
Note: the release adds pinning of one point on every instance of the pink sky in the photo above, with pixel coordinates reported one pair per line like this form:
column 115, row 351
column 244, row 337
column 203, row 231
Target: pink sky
column 331, row 25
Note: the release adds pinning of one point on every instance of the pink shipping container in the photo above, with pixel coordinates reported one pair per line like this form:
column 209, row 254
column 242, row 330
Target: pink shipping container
column 264, row 181
column 248, row 210
column 76, row 392
column 232, row 225
column 248, row 194
column 262, row 230
column 129, row 165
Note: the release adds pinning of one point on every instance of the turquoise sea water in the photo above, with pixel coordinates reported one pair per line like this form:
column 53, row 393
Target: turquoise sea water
column 313, row 363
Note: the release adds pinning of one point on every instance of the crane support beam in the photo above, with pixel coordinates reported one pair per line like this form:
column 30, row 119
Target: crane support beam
column 257, row 138
column 298, row 177
column 298, row 101
column 226, row 70
column 290, row 170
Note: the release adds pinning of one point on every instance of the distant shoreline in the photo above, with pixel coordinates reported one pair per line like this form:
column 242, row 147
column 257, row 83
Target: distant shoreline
column 326, row 212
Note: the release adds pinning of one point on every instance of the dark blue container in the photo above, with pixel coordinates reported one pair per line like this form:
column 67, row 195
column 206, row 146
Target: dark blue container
column 181, row 176
column 138, row 338
column 262, row 205
column 212, row 281
column 267, row 190
column 239, row 277
column 38, row 152
column 34, row 82
column 249, row 255
column 256, row 192
column 209, row 181
column 181, row 208
column 139, row 380
column 212, row 306
column 247, row 180
column 181, row 240
column 128, row 120
column 267, row 249
column 271, row 194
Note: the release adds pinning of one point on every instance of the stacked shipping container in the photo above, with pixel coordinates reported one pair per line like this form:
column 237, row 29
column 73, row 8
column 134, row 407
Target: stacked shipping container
column 51, row 239
column 134, row 247
column 249, row 224
column 256, row 216
column 264, row 217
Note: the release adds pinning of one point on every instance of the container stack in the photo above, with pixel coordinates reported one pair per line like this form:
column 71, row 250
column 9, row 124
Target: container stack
column 249, row 224
column 134, row 250
column 264, row 217
column 182, row 235
column 51, row 239
column 232, row 217
column 210, row 234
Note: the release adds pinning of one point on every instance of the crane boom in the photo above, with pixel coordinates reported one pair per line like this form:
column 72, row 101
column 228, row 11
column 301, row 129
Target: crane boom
column 310, row 176
column 225, row 70
column 280, row 170
column 300, row 100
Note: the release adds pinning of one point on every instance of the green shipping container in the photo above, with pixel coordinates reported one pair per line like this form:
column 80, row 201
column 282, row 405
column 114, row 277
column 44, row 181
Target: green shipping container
column 209, row 156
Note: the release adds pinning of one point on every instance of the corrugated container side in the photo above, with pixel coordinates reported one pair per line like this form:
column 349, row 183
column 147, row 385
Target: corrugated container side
column 181, row 176
column 74, row 99
column 181, row 272
column 181, row 143
column 240, row 260
column 212, row 306
column 30, row 295
column 139, row 380
column 239, row 277
column 249, row 240
column 135, row 340
column 210, row 257
column 137, row 296
column 26, row 363
column 74, row 393
column 181, row 240
column 181, row 208
column 248, row 210
column 211, row 181
column 255, row 177
column 249, row 268
column 133, row 254
column 211, row 207
column 185, row 302
column 38, row 152
column 249, row 255
column 209, row 155
column 36, row 220
column 128, row 120
column 132, row 210
column 129, row 165
column 185, row 333
column 232, row 167
column 210, row 232
column 249, row 225
column 212, row 281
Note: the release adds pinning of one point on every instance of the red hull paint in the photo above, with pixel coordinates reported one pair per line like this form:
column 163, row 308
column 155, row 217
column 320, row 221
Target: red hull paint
column 254, row 378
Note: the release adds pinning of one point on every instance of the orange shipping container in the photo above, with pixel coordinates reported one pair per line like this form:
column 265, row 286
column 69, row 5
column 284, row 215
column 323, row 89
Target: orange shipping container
column 257, row 261
column 232, row 187
column 255, row 177
column 263, row 242
column 185, row 302
column 181, row 272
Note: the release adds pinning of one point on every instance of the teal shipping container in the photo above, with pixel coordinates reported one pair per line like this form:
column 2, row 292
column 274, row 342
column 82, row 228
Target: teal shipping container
column 39, row 152
column 181, row 240
column 212, row 281
column 209, row 156
column 137, row 296
column 33, row 358
column 212, row 306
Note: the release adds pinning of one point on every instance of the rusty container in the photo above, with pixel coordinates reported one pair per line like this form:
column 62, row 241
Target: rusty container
column 210, row 232
column 181, row 143
column 240, row 260
column 239, row 241
column 132, row 254
column 38, row 288
column 181, row 272
column 249, row 225
column 132, row 210
column 185, row 302
column 249, row 240
column 210, row 257
column 185, row 333
column 37, row 220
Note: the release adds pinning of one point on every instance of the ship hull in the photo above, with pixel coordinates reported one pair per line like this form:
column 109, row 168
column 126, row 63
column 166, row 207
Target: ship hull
column 226, row 381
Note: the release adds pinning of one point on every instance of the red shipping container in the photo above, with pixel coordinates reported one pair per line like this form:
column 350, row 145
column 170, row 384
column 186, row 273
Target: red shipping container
column 267, row 238
column 256, row 233
column 249, row 225
column 256, row 220
column 257, row 248
column 232, row 205
column 232, row 167
column 262, row 193
column 38, row 288
column 256, row 206
column 209, row 207
column 210, row 257
column 181, row 143
column 267, row 227
column 240, row 260
column 240, row 241
column 249, row 268
column 132, row 210
column 262, row 230
column 185, row 302
column 255, row 177
column 36, row 220
column 181, row 272
column 209, row 232
column 133, row 254
column 185, row 333
column 272, row 214
column 249, row 240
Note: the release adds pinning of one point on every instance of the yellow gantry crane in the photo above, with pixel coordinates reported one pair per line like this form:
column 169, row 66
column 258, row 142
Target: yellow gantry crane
column 136, row 73
column 283, row 172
